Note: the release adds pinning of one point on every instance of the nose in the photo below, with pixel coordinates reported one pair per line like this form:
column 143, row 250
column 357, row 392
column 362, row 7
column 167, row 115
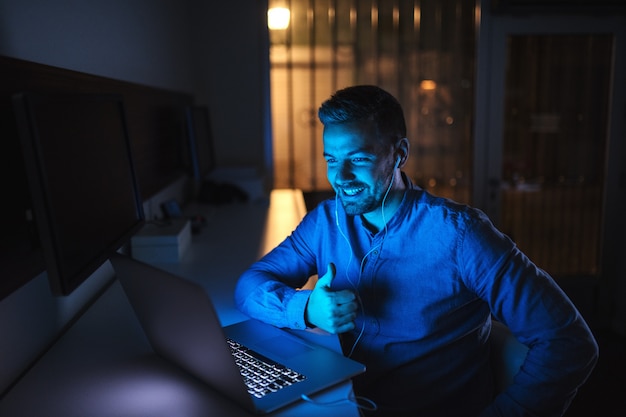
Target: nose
column 344, row 172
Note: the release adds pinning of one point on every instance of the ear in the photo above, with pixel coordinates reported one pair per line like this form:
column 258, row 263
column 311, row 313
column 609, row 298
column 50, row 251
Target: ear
column 402, row 152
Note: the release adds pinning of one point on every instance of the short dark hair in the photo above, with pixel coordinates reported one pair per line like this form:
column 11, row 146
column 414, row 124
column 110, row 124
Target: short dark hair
column 366, row 102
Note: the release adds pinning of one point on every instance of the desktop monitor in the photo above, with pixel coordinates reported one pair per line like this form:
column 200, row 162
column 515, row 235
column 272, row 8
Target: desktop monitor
column 82, row 181
column 200, row 142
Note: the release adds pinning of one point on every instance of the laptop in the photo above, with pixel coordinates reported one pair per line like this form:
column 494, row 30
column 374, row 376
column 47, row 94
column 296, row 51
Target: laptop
column 182, row 326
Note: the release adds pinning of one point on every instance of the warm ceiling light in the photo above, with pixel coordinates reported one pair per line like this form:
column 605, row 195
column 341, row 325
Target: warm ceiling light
column 278, row 18
column 428, row 85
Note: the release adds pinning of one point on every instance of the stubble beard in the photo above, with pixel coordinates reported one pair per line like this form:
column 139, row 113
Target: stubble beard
column 366, row 203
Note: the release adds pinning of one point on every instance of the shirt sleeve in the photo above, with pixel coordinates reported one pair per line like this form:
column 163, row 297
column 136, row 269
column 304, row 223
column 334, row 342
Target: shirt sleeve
column 269, row 290
column 561, row 348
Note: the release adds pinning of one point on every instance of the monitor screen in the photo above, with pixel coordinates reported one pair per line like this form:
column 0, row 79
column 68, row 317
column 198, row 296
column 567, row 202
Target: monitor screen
column 82, row 182
column 200, row 140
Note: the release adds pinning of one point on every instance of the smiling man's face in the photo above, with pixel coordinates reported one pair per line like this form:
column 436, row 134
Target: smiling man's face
column 359, row 165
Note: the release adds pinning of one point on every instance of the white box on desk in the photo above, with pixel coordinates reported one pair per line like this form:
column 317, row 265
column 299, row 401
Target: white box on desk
column 164, row 241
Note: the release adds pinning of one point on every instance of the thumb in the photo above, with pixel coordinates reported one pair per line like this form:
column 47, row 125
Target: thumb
column 327, row 279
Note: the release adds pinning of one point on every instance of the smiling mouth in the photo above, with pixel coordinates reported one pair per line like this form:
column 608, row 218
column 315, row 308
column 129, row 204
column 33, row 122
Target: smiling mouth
column 351, row 192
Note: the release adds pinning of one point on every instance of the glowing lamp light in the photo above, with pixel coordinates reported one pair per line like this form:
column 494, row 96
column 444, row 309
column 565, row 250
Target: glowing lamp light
column 278, row 18
column 428, row 85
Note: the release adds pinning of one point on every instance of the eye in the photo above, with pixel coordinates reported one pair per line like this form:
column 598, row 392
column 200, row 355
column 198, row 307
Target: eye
column 361, row 160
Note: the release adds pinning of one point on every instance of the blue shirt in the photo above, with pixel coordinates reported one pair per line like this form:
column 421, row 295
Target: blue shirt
column 428, row 285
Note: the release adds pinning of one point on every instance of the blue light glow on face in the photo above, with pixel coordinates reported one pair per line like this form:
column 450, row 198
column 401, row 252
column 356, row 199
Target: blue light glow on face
column 359, row 167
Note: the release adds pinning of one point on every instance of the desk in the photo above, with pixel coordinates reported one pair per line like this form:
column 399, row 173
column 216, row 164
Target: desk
column 104, row 366
column 233, row 237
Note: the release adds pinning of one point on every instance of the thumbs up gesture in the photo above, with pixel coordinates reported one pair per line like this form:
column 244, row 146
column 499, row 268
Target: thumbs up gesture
column 333, row 311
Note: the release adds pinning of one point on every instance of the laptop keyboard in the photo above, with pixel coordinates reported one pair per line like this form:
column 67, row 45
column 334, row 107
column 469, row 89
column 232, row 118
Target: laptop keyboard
column 262, row 375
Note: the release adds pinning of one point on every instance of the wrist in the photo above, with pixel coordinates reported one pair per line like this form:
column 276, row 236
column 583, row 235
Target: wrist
column 297, row 310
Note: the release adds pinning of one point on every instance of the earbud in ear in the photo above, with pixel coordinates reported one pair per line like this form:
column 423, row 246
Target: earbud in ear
column 398, row 160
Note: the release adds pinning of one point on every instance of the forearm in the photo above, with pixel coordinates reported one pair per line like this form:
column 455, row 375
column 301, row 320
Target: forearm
column 261, row 296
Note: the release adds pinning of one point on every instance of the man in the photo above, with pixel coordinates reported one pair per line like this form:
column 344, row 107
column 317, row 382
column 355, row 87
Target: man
column 411, row 281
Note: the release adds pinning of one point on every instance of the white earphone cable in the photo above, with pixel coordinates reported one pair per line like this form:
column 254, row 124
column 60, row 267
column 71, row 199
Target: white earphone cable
column 355, row 286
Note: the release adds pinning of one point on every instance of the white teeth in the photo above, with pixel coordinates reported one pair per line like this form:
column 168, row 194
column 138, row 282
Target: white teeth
column 352, row 191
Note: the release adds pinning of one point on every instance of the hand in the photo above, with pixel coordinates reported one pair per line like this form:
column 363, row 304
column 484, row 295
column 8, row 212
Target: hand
column 333, row 311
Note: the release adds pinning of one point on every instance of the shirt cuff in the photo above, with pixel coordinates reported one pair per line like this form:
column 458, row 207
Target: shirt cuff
column 295, row 309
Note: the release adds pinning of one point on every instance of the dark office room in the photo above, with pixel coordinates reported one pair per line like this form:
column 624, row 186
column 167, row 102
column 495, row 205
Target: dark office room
column 205, row 151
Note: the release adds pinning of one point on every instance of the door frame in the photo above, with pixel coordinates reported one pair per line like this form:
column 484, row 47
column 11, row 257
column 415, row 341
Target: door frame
column 493, row 30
